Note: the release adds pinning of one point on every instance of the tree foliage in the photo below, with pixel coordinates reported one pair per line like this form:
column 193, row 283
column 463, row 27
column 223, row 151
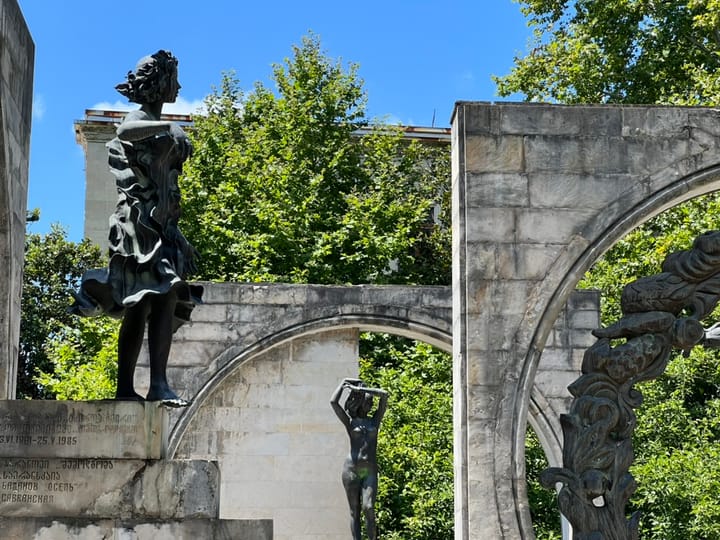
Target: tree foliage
column 83, row 359
column 53, row 267
column 619, row 51
column 281, row 188
column 543, row 503
column 415, row 446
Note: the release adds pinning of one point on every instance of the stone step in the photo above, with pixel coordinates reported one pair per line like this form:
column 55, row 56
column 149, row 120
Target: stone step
column 140, row 529
column 108, row 488
column 82, row 429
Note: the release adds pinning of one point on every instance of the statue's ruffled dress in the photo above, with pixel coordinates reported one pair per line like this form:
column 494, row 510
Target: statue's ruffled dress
column 148, row 253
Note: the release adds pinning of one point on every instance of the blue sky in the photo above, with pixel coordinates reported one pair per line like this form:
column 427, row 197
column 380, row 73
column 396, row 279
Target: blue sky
column 416, row 57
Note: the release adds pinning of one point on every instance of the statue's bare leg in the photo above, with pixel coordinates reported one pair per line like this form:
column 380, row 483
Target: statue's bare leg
column 130, row 339
column 369, row 492
column 160, row 332
column 352, row 485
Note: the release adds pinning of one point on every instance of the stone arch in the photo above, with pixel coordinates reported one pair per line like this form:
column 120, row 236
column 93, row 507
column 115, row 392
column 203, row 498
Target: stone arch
column 264, row 416
column 695, row 185
column 540, row 191
column 420, row 331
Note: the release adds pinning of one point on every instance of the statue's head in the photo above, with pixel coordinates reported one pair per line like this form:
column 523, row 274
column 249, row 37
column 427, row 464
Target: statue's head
column 358, row 404
column 154, row 80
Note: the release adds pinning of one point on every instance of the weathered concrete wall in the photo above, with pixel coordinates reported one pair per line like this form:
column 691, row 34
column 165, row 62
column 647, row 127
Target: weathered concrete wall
column 539, row 192
column 279, row 446
column 135, row 529
column 261, row 362
column 94, row 470
column 17, row 53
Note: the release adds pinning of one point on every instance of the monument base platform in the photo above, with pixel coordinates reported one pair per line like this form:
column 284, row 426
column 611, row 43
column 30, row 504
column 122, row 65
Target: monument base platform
column 116, row 529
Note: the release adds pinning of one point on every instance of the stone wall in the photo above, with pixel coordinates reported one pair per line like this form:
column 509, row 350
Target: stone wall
column 539, row 193
column 279, row 446
column 260, row 363
column 17, row 53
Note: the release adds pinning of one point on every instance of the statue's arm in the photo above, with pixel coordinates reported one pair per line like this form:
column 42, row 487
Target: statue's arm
column 382, row 406
column 335, row 403
column 382, row 395
column 137, row 130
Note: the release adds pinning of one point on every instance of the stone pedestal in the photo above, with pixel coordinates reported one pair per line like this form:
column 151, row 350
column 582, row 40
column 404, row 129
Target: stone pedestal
column 91, row 529
column 97, row 470
column 80, row 429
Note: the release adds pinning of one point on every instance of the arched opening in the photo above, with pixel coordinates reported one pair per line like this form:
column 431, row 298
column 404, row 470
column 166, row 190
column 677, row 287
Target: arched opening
column 423, row 331
column 415, row 447
column 266, row 419
column 677, row 436
column 677, row 433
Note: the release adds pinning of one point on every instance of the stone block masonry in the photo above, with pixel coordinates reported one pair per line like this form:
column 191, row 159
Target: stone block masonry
column 539, row 193
column 90, row 469
column 17, row 53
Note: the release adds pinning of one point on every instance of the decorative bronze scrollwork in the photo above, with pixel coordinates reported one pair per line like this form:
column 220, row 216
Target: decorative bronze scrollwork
column 660, row 313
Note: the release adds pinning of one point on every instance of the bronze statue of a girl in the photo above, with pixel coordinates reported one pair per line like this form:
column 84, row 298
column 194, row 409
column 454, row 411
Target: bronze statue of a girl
column 150, row 259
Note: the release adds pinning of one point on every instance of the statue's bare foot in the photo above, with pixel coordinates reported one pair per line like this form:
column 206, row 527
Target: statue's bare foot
column 175, row 403
column 167, row 397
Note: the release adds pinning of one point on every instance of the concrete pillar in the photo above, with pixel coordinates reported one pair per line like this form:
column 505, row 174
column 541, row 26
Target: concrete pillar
column 539, row 193
column 17, row 52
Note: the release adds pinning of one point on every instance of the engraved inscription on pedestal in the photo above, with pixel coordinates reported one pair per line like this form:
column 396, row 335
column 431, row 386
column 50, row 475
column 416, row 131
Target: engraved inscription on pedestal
column 35, row 481
column 75, row 429
column 108, row 488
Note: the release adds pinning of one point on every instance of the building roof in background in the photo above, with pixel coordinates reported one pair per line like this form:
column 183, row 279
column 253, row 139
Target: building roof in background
column 97, row 119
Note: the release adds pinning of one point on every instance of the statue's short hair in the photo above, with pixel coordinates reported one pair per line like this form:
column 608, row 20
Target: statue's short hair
column 147, row 84
column 355, row 401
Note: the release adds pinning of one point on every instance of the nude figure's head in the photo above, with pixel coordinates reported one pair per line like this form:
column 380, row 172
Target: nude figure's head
column 358, row 404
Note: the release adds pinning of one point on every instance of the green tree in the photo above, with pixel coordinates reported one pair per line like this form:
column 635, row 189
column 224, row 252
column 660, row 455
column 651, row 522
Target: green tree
column 543, row 503
column 282, row 187
column 415, row 446
column 83, row 359
column 53, row 267
column 619, row 51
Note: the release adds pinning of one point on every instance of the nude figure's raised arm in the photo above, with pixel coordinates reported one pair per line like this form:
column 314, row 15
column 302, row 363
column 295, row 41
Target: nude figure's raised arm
column 335, row 402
